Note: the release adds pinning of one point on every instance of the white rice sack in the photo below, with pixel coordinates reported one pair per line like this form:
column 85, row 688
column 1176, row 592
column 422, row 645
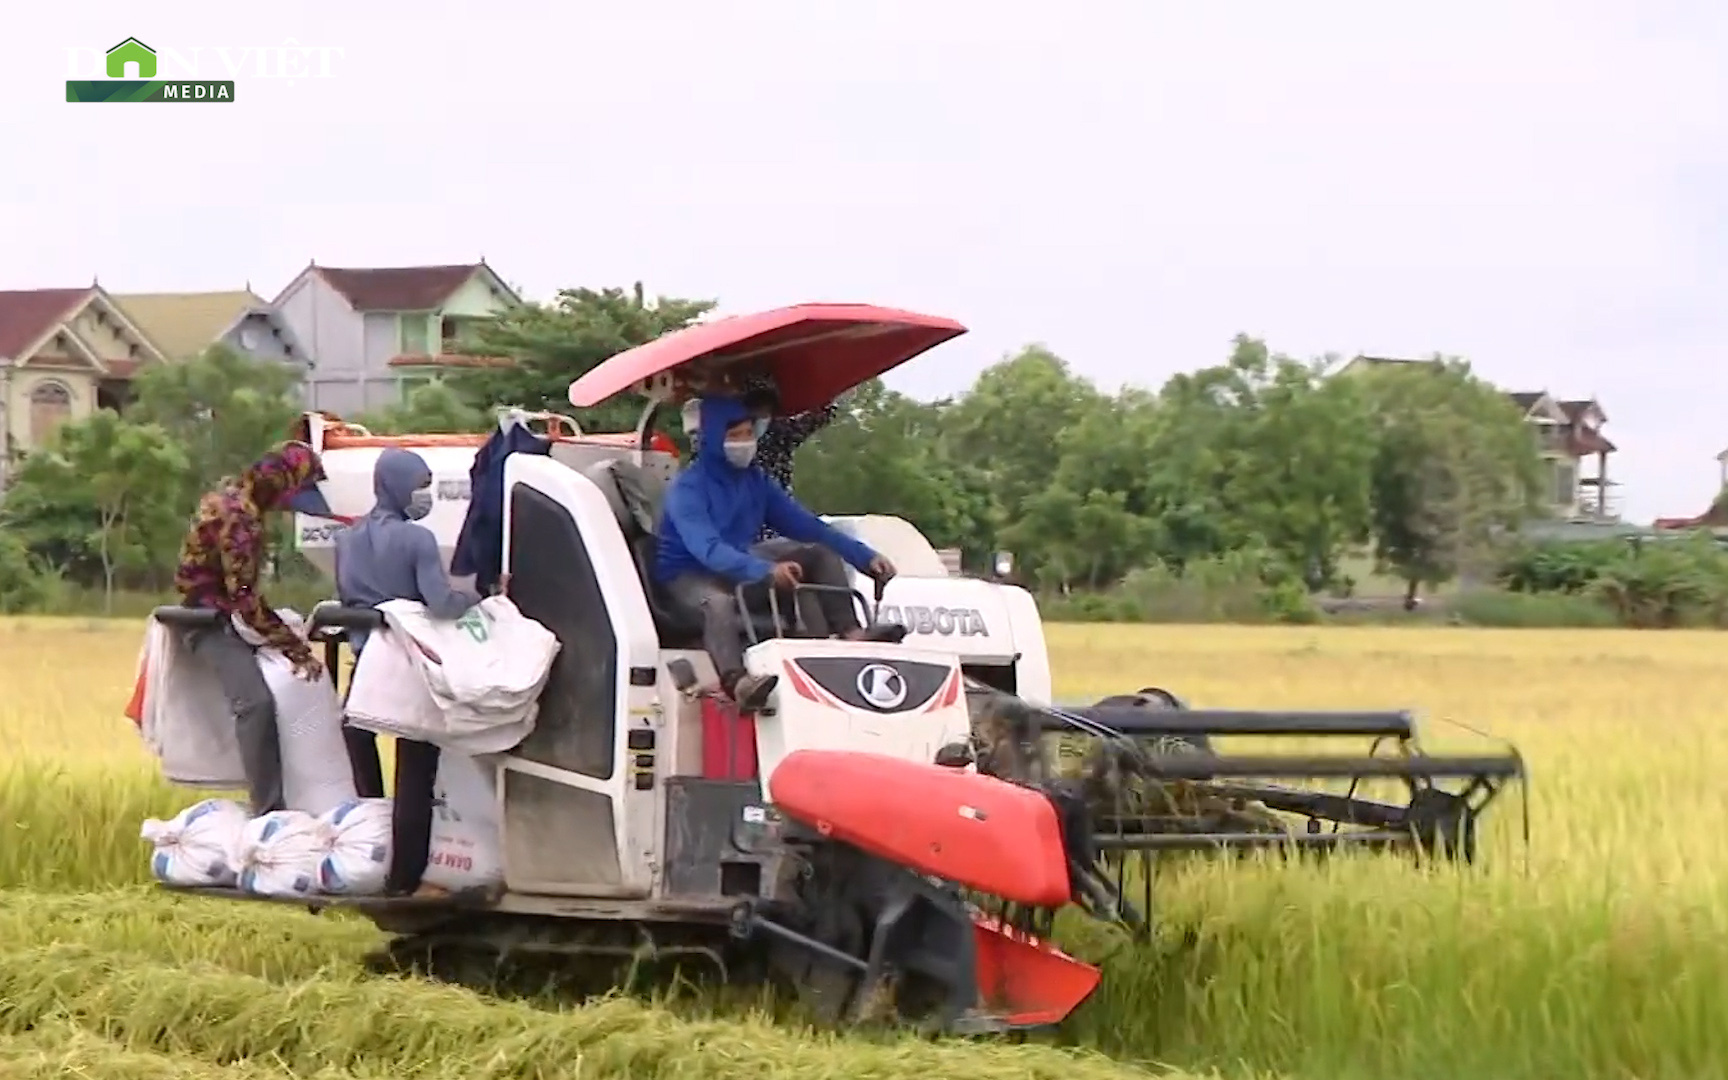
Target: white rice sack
column 316, row 776
column 358, row 859
column 279, row 852
column 467, row 849
column 197, row 846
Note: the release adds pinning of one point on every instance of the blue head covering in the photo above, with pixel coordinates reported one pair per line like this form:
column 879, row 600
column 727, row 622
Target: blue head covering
column 718, row 415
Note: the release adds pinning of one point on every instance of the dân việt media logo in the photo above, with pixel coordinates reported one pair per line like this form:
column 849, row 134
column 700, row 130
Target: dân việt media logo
column 145, row 86
column 134, row 71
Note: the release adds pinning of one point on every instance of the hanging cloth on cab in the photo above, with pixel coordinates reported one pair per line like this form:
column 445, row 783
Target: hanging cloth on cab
column 480, row 544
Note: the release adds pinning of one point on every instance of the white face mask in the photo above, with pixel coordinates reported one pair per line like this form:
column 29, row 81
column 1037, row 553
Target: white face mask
column 419, row 504
column 740, row 454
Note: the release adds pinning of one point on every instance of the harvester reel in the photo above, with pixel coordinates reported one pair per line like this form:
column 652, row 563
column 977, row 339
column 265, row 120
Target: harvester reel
column 1139, row 775
column 1008, row 741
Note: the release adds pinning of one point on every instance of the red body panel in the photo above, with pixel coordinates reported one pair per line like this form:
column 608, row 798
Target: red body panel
column 1026, row 981
column 815, row 352
column 973, row 830
column 728, row 742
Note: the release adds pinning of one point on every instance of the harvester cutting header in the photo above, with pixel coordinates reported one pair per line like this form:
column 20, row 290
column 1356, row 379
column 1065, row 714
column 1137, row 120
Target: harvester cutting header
column 893, row 821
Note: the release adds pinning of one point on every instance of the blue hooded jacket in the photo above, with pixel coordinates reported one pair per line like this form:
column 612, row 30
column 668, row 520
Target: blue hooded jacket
column 714, row 511
column 384, row 556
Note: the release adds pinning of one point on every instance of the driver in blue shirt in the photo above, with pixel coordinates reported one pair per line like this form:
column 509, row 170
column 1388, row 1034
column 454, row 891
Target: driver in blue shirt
column 714, row 512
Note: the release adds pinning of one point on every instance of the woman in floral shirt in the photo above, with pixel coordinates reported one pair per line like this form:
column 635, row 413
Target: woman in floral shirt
column 779, row 437
column 220, row 562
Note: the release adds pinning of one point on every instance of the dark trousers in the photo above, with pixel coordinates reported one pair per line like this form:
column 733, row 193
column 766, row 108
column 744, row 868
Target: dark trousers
column 411, row 814
column 363, row 760
column 711, row 597
column 411, row 808
column 235, row 664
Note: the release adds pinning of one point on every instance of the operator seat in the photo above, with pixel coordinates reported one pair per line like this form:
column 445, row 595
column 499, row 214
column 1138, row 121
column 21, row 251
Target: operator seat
column 635, row 495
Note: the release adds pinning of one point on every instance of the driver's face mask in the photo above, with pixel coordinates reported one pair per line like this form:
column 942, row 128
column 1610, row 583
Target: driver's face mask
column 740, row 454
column 419, row 504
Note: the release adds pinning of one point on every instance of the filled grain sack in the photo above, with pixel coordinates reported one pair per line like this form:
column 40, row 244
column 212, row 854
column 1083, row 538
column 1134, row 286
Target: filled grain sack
column 197, row 846
column 183, row 717
column 467, row 842
column 279, row 852
column 186, row 722
column 316, row 775
column 480, row 676
column 358, row 859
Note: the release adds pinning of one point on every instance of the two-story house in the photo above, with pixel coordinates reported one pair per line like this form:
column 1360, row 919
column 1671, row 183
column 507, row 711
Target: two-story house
column 64, row 353
column 1569, row 434
column 360, row 324
column 184, row 325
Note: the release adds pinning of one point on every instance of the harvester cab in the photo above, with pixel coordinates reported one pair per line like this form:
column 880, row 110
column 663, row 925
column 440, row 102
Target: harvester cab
column 896, row 828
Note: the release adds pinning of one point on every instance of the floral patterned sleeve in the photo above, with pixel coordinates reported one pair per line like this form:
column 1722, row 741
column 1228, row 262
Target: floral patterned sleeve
column 239, row 546
column 801, row 426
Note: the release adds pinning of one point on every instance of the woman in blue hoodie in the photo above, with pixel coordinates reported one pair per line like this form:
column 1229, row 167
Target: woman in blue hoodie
column 385, row 556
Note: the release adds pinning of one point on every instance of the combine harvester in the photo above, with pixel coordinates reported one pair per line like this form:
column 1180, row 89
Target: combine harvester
column 892, row 828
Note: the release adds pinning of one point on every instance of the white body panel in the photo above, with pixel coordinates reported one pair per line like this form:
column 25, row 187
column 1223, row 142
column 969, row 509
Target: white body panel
column 636, row 815
column 908, row 549
column 797, row 723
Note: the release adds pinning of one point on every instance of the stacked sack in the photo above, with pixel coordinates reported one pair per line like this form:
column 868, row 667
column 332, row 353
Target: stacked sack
column 185, row 721
column 469, row 686
column 197, row 845
column 344, row 851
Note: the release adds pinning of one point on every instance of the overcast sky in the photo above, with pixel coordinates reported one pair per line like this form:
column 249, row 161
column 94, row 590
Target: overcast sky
column 1540, row 187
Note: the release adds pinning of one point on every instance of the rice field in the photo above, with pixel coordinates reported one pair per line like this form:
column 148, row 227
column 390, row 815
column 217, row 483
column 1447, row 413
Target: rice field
column 1600, row 952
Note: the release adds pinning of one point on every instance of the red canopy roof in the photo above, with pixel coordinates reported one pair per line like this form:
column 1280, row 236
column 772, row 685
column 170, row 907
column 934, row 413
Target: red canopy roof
column 814, row 352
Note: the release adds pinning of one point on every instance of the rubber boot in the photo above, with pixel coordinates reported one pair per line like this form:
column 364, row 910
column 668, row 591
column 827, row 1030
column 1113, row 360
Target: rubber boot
column 750, row 692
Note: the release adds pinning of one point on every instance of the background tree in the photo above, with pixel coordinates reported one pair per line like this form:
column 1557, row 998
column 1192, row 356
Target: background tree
column 1261, row 451
column 221, row 409
column 1262, row 467
column 433, row 409
column 883, row 455
column 190, row 424
column 128, row 473
column 552, row 345
column 1455, row 473
column 1009, row 424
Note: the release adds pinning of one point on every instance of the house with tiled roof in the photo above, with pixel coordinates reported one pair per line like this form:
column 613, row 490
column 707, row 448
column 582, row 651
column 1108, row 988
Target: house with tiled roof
column 375, row 332
column 64, row 353
column 1568, row 436
column 185, row 324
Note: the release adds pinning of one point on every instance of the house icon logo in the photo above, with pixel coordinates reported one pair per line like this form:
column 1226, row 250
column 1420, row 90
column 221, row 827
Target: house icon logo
column 132, row 51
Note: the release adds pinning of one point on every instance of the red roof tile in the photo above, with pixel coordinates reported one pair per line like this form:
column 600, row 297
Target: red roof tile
column 1576, row 409
column 27, row 314
column 398, row 288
